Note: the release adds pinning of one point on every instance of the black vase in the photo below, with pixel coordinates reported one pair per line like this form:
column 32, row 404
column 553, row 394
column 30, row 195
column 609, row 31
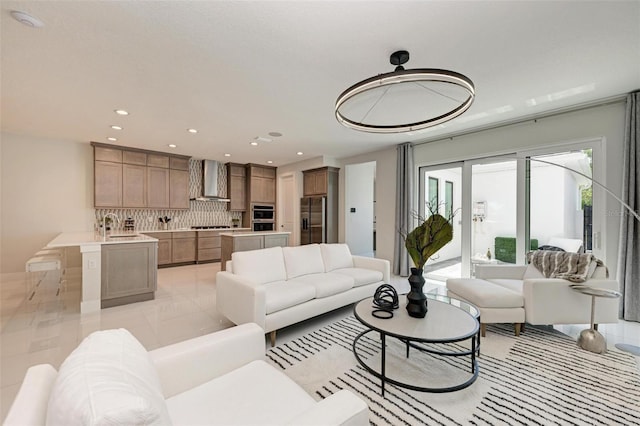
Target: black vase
column 416, row 299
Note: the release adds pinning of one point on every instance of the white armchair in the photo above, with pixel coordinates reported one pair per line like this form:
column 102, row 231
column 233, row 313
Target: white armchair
column 219, row 378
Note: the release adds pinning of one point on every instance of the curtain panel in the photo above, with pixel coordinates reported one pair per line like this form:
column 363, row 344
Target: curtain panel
column 405, row 195
column 629, row 250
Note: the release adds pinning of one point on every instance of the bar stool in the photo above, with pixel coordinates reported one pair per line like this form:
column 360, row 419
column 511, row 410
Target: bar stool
column 38, row 269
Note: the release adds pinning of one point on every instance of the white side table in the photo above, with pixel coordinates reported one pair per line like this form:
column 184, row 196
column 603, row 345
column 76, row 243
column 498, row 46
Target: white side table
column 590, row 339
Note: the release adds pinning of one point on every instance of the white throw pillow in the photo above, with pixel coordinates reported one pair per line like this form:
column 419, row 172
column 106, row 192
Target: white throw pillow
column 261, row 266
column 108, row 379
column 336, row 256
column 302, row 260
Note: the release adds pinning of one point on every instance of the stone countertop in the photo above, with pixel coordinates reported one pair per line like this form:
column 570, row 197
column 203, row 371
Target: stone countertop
column 71, row 239
column 248, row 234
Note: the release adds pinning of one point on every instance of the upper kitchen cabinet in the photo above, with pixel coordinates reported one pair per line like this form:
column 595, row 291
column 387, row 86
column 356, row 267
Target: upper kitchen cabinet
column 320, row 181
column 107, row 177
column 237, row 187
column 178, row 189
column 262, row 184
column 134, row 178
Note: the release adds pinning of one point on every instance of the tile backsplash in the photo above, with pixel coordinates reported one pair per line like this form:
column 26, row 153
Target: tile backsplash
column 199, row 213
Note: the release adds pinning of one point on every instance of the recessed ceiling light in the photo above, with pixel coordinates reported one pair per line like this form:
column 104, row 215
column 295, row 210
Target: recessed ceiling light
column 172, row 145
column 275, row 134
column 227, row 155
column 26, row 19
column 114, row 127
column 192, row 131
column 254, row 143
column 112, row 139
column 121, row 112
column 269, row 162
column 299, row 153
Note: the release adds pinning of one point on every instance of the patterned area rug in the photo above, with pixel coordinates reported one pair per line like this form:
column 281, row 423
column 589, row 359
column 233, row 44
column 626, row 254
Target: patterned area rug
column 539, row 378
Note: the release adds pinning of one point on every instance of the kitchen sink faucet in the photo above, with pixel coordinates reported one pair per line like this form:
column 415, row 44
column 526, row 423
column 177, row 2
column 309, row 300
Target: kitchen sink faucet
column 104, row 224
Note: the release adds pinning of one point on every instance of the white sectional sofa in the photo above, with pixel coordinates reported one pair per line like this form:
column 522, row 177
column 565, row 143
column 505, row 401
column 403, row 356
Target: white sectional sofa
column 280, row 286
column 215, row 379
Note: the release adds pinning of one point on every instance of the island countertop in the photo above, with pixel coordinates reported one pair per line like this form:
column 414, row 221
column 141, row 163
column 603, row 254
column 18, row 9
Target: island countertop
column 253, row 233
column 71, row 239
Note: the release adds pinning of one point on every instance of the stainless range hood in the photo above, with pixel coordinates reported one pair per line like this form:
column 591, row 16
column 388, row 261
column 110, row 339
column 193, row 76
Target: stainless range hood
column 210, row 182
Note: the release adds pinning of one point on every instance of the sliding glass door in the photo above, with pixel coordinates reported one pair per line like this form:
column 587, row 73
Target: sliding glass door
column 440, row 191
column 505, row 206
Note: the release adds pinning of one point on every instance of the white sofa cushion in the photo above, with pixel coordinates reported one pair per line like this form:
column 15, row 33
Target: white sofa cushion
column 513, row 285
column 361, row 276
column 108, row 379
column 254, row 394
column 302, row 260
column 280, row 295
column 336, row 256
column 260, row 266
column 485, row 294
column 326, row 284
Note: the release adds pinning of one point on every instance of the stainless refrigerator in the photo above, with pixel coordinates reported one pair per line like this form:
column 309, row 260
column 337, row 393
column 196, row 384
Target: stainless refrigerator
column 313, row 218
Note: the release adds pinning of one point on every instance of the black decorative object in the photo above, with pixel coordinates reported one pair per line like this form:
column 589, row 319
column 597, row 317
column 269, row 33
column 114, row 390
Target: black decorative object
column 385, row 299
column 417, row 301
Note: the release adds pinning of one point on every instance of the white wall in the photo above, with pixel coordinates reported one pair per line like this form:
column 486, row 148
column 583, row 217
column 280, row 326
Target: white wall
column 385, row 196
column 359, row 180
column 605, row 121
column 47, row 187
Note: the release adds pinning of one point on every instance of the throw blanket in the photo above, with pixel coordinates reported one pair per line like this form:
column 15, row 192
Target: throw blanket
column 574, row 267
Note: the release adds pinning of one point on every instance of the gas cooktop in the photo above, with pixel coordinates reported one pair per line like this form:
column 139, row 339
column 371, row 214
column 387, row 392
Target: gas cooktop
column 210, row 227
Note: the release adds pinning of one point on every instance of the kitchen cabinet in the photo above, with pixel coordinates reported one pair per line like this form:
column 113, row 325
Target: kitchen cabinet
column 245, row 241
column 157, row 188
column 183, row 247
column 107, row 177
column 178, row 189
column 237, row 187
column 321, row 181
column 209, row 247
column 164, row 246
column 128, row 273
column 262, row 184
column 133, row 178
column 134, row 185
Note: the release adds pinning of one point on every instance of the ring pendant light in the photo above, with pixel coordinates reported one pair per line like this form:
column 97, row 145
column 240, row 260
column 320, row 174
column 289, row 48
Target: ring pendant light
column 400, row 75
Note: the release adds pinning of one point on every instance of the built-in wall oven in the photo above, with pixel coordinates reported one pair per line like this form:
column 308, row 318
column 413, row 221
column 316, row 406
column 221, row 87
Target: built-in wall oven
column 263, row 217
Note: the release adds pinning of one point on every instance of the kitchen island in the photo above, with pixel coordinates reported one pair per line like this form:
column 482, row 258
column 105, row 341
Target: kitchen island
column 117, row 269
column 244, row 241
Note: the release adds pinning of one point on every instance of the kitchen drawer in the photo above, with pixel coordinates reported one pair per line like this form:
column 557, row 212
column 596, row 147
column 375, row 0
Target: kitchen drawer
column 208, row 242
column 209, row 254
column 159, row 235
column 184, row 234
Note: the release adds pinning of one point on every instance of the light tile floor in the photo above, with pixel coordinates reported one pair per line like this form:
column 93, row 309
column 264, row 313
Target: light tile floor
column 47, row 328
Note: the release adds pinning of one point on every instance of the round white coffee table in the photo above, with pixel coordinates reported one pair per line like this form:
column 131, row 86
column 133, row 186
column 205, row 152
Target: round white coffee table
column 447, row 321
column 590, row 339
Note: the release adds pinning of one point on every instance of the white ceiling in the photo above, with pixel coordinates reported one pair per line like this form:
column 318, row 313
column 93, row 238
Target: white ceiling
column 236, row 70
